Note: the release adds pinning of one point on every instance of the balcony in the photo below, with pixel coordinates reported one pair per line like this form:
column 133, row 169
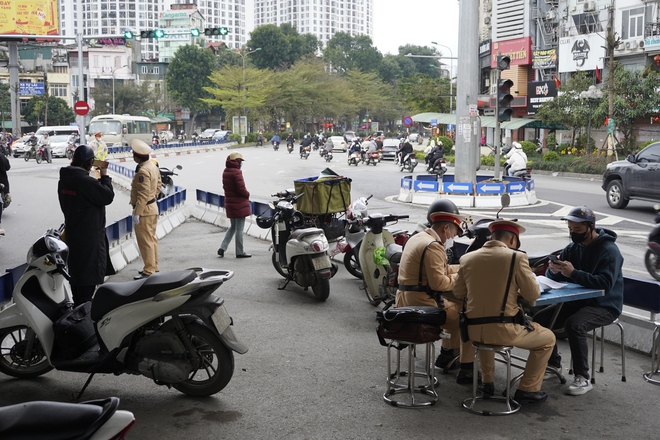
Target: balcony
column 652, row 29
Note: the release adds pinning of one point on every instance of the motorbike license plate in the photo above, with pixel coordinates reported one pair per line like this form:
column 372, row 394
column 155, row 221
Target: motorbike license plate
column 221, row 319
column 321, row 262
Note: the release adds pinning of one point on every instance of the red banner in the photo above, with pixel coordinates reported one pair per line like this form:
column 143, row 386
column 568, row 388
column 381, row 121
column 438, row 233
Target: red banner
column 519, row 50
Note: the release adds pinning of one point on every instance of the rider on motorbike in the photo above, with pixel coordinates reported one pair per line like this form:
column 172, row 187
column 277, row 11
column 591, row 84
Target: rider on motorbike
column 435, row 156
column 290, row 139
column 516, row 159
column 306, row 142
column 404, row 150
column 328, row 146
column 355, row 147
column 372, row 147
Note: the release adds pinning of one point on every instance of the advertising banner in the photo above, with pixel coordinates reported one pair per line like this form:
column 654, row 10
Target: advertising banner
column 24, row 17
column 583, row 52
column 544, row 59
column 30, row 88
column 539, row 92
column 519, row 50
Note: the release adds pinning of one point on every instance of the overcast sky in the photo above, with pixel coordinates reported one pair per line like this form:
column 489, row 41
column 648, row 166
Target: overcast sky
column 401, row 22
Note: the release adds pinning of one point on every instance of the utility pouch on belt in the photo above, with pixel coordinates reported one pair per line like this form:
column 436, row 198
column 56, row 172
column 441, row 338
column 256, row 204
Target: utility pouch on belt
column 414, row 324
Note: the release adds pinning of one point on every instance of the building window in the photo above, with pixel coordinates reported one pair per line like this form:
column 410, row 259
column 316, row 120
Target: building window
column 145, row 70
column 632, row 23
column 156, row 70
column 59, row 90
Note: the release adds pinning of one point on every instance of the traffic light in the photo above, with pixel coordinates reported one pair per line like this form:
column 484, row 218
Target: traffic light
column 504, row 99
column 213, row 32
column 128, row 34
column 194, row 32
column 152, row 33
column 503, row 62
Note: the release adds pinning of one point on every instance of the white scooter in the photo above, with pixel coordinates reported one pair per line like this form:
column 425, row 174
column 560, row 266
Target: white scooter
column 374, row 273
column 300, row 253
column 169, row 327
column 93, row 420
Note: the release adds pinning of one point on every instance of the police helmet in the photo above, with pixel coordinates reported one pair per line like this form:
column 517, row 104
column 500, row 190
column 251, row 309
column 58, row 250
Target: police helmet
column 581, row 214
column 83, row 154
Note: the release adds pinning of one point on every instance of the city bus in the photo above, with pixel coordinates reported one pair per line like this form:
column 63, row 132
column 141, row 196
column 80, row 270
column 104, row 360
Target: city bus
column 118, row 130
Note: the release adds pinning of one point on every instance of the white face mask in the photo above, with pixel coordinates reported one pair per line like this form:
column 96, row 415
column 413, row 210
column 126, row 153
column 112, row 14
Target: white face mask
column 449, row 242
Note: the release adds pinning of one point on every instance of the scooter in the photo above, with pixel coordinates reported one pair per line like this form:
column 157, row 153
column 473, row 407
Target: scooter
column 289, row 147
column 408, row 163
column 376, row 268
column 652, row 257
column 304, row 153
column 276, row 145
column 70, row 148
column 525, row 173
column 300, row 254
column 440, row 168
column 167, row 183
column 372, row 158
column 42, row 155
column 93, row 420
column 326, row 154
column 169, row 327
column 354, row 158
column 354, row 234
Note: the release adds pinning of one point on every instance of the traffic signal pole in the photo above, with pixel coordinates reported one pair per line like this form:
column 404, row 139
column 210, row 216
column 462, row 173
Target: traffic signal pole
column 498, row 131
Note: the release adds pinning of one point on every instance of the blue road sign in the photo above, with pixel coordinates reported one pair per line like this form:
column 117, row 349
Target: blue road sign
column 530, row 185
column 450, row 127
column 406, row 183
column 425, row 185
column 457, row 187
column 490, row 188
column 434, row 122
column 515, row 187
column 30, row 88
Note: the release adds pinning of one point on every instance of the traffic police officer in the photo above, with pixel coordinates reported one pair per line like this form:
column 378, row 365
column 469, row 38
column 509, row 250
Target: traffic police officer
column 483, row 278
column 144, row 191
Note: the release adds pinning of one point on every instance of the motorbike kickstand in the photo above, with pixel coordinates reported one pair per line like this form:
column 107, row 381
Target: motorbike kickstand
column 283, row 284
column 89, row 379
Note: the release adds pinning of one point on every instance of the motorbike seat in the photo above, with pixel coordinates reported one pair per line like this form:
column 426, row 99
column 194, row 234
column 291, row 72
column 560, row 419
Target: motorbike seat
column 299, row 234
column 110, row 296
column 393, row 253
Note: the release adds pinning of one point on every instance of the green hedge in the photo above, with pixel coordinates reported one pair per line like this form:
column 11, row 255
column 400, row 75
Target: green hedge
column 234, row 137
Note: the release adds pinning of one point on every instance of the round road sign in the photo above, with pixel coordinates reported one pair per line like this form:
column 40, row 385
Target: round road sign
column 81, row 108
column 407, row 121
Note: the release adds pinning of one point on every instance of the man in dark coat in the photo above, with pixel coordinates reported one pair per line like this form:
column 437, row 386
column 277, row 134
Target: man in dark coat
column 4, row 186
column 83, row 200
column 237, row 204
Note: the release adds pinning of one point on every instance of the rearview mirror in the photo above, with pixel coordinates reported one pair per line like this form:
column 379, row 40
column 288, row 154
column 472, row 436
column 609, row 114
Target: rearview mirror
column 630, row 158
column 505, row 200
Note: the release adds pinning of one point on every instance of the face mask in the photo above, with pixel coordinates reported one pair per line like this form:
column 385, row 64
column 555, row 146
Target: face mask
column 579, row 237
column 449, row 243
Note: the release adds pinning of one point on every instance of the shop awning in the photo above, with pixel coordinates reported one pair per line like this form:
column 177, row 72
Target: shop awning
column 487, row 121
column 159, row 119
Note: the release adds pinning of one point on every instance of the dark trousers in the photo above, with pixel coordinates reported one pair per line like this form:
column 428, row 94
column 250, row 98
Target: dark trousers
column 577, row 318
column 82, row 294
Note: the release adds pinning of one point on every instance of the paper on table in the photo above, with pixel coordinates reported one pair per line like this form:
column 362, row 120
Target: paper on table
column 548, row 284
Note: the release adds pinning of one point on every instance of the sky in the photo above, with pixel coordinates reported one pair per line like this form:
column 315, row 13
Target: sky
column 401, row 22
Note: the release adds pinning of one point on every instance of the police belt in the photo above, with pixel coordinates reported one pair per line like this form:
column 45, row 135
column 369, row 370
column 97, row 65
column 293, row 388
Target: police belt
column 416, row 288
column 151, row 201
column 519, row 318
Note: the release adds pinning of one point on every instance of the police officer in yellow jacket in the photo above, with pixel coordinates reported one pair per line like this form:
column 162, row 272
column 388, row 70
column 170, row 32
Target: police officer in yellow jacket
column 483, row 278
column 424, row 275
column 144, row 192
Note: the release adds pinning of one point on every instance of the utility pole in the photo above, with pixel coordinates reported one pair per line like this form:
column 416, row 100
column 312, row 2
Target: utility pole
column 612, row 41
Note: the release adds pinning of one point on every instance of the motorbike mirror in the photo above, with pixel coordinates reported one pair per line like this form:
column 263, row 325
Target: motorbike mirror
column 178, row 167
column 505, row 200
column 656, row 207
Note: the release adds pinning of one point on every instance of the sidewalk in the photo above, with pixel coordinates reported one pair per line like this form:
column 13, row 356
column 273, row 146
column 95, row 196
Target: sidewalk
column 316, row 370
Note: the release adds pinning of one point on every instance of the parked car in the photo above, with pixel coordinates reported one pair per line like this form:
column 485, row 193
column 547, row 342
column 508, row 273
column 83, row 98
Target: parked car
column 633, row 178
column 389, row 148
column 58, row 145
column 220, row 135
column 338, row 143
column 207, row 134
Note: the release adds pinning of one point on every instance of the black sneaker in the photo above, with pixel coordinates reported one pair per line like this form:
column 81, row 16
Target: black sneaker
column 465, row 377
column 444, row 362
column 221, row 253
column 530, row 397
column 487, row 389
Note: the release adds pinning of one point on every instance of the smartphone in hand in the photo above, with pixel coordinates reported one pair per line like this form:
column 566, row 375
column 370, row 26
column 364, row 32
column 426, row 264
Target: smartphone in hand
column 553, row 258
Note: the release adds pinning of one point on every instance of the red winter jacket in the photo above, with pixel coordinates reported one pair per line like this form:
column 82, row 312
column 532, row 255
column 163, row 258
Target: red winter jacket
column 237, row 197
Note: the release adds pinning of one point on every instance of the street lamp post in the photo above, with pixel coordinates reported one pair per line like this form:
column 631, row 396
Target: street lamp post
column 243, row 55
column 451, row 84
column 451, row 75
column 113, row 86
column 593, row 94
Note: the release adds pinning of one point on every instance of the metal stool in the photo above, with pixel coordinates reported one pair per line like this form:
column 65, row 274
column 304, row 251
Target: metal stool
column 655, row 357
column 602, row 352
column 409, row 387
column 511, row 405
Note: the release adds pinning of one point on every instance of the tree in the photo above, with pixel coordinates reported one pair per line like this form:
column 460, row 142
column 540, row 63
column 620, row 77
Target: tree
column 187, row 78
column 130, row 98
column 346, row 52
column 373, row 98
column 634, row 97
column 421, row 93
column 281, row 47
column 390, row 71
column 238, row 91
column 422, row 65
column 59, row 113
column 567, row 108
column 5, row 103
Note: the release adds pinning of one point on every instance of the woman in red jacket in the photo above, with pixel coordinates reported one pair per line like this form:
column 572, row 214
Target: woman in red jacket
column 237, row 204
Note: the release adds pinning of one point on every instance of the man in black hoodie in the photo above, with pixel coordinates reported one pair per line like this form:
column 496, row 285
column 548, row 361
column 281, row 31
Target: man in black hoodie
column 592, row 260
column 83, row 200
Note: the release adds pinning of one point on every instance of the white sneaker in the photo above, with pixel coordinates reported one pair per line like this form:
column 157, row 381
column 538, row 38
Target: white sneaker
column 2, row 231
column 579, row 386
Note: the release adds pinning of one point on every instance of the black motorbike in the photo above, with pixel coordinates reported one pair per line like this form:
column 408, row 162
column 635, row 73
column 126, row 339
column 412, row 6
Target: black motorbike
column 652, row 257
column 167, row 182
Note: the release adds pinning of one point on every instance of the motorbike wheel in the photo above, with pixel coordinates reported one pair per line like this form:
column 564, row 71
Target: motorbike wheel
column 372, row 300
column 26, row 157
column 38, row 158
column 351, row 265
column 651, row 262
column 217, row 363
column 277, row 266
column 49, row 159
column 13, row 343
column 321, row 288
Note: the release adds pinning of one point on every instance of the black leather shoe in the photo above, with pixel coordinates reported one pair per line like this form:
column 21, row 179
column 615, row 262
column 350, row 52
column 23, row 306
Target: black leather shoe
column 221, row 253
column 244, row 255
column 487, row 389
column 465, row 378
column 444, row 362
column 530, row 397
column 140, row 275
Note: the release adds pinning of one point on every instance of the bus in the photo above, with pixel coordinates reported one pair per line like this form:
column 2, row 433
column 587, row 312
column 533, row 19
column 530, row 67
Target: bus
column 118, row 130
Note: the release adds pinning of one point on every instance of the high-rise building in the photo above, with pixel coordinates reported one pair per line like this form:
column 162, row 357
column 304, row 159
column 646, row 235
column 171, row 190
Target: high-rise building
column 103, row 17
column 322, row 18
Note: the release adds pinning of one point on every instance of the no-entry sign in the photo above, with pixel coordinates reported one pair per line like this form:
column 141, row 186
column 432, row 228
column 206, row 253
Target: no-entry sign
column 81, row 108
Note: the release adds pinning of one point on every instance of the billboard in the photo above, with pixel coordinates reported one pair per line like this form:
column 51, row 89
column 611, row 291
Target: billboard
column 30, row 88
column 519, row 50
column 583, row 52
column 538, row 93
column 25, row 17
column 544, row 59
